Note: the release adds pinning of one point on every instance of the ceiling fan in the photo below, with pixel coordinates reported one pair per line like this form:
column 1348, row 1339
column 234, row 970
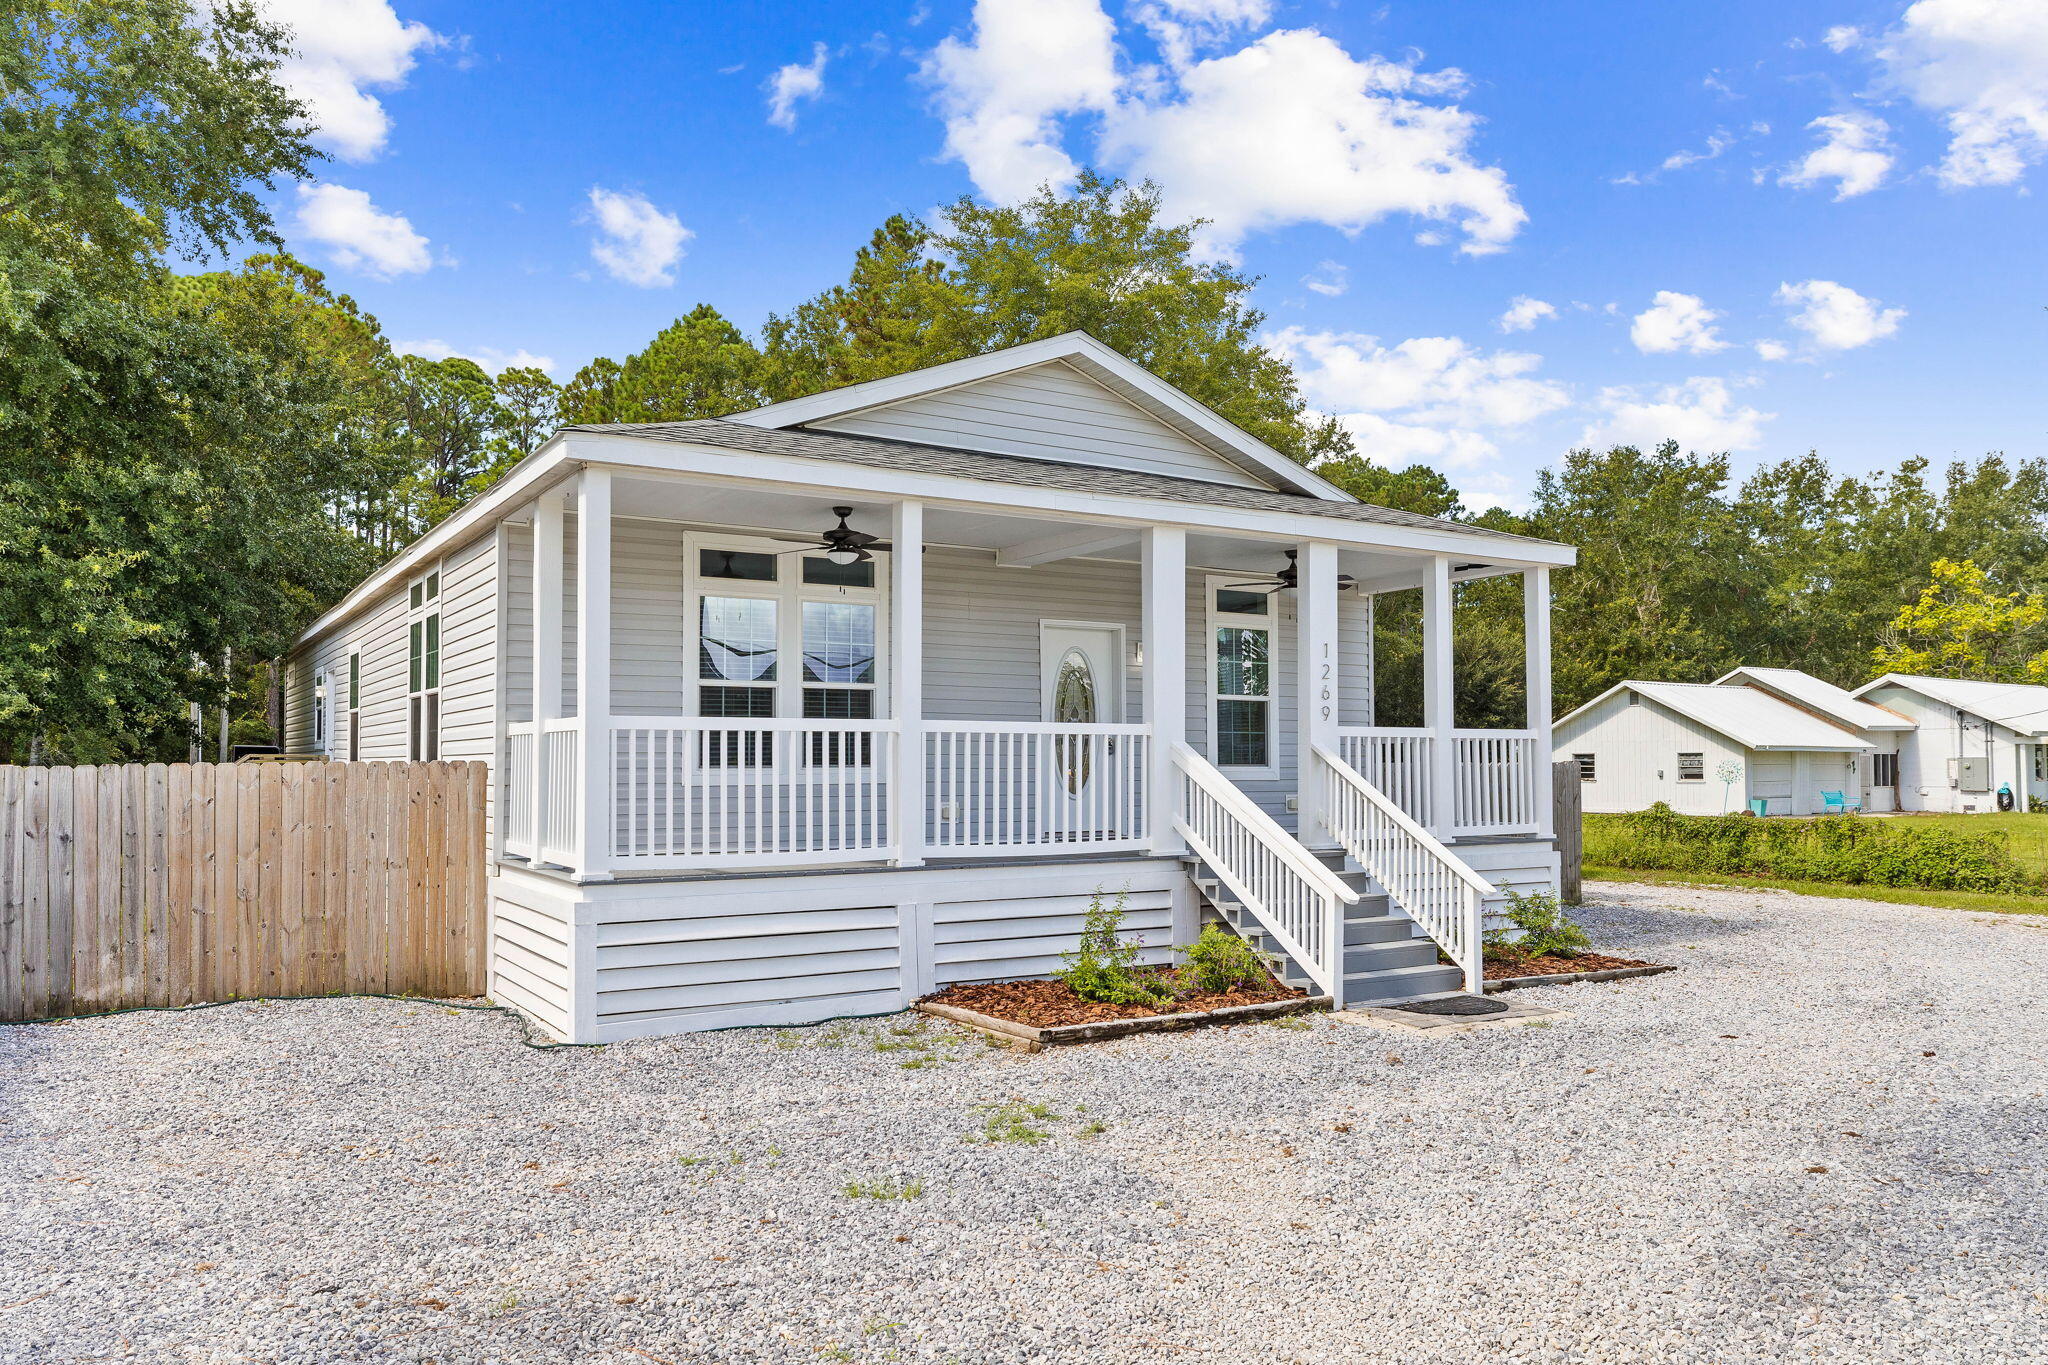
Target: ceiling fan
column 842, row 544
column 1288, row 577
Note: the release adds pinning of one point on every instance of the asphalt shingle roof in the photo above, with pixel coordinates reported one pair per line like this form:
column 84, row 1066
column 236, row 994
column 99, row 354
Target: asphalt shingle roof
column 1024, row 471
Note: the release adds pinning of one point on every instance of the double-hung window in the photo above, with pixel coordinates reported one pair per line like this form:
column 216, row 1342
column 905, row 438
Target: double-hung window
column 1692, row 767
column 423, row 668
column 783, row 635
column 1241, row 677
column 320, row 713
column 355, row 701
column 1588, row 770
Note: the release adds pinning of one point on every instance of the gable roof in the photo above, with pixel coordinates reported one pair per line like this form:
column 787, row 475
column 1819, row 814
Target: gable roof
column 880, row 453
column 1750, row 716
column 1815, row 694
column 2017, row 706
column 1122, row 376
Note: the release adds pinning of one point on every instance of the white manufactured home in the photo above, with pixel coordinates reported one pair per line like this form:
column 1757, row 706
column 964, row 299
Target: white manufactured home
column 1969, row 739
column 814, row 709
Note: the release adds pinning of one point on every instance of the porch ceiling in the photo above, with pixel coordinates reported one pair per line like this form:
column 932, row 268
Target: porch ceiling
column 803, row 514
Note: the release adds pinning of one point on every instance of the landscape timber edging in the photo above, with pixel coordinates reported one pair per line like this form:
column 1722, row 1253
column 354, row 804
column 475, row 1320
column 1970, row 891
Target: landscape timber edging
column 1515, row 983
column 1059, row 1035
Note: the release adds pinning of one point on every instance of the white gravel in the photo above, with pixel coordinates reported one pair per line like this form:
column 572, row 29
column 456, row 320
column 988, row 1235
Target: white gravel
column 1754, row 1158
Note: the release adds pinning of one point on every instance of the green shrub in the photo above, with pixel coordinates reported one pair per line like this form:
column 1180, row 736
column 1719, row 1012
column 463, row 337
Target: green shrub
column 1845, row 849
column 1103, row 966
column 1220, row 961
column 1545, row 929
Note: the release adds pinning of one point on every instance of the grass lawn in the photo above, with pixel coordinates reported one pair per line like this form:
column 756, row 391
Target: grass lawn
column 1896, row 895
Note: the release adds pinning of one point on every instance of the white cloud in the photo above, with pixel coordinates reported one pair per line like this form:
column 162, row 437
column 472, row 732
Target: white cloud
column 1842, row 37
column 1002, row 95
column 1854, row 153
column 1430, row 398
column 1700, row 414
column 1328, row 279
column 637, row 243
column 1676, row 322
column 1180, row 27
column 1524, row 313
column 1718, row 142
column 797, row 81
column 1836, row 317
column 1982, row 65
column 493, row 360
column 358, row 235
column 1289, row 129
column 343, row 50
column 1772, row 350
column 1293, row 129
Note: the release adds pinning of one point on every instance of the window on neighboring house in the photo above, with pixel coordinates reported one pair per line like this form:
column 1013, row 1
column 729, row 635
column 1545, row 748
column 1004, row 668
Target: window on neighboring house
column 1241, row 677
column 320, row 712
column 1692, row 767
column 355, row 701
column 423, row 669
column 1884, row 769
column 755, row 610
column 1586, row 768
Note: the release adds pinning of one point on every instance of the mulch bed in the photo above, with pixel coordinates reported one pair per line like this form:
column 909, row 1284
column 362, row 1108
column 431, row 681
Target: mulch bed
column 1052, row 1004
column 1507, row 969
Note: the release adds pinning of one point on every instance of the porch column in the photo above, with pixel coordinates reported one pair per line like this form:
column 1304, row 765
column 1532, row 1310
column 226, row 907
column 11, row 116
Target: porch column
column 906, row 680
column 1164, row 551
column 594, row 672
column 1315, row 682
column 1536, row 656
column 1439, row 706
column 547, row 649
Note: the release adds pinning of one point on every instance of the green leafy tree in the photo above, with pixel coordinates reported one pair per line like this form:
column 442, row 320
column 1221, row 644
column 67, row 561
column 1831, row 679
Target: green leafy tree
column 700, row 365
column 1962, row 627
column 151, row 518
column 449, row 416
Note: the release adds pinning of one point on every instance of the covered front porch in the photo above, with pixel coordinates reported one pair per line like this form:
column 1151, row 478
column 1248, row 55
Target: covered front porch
column 697, row 685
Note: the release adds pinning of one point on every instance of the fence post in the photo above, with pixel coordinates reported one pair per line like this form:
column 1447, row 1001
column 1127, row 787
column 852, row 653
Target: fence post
column 1567, row 803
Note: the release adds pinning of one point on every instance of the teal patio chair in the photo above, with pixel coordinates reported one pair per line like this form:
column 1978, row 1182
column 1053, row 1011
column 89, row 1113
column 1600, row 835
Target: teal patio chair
column 1834, row 803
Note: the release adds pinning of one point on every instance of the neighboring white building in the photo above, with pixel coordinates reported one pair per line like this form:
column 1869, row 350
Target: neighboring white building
column 814, row 709
column 1969, row 739
column 1639, row 743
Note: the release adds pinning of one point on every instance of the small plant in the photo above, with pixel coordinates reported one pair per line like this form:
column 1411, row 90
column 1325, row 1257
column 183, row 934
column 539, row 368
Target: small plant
column 886, row 1188
column 1290, row 1021
column 1103, row 967
column 1012, row 1122
column 1220, row 961
column 1545, row 929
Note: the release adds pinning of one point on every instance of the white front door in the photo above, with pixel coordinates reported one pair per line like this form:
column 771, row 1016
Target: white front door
column 1083, row 782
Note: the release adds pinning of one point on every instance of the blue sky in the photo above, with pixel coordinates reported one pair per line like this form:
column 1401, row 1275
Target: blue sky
column 1756, row 227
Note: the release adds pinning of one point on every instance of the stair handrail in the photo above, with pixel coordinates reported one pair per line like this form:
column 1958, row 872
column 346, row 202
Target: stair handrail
column 1305, row 913
column 1423, row 878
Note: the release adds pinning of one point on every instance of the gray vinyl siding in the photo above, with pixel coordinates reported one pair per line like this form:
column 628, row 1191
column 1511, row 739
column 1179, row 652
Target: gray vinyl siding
column 981, row 630
column 469, row 645
column 1049, row 412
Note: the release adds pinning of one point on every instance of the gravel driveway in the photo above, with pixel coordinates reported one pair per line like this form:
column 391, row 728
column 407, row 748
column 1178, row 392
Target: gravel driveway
column 1824, row 1139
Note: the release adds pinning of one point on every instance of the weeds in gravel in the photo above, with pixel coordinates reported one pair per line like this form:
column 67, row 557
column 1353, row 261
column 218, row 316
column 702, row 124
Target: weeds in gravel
column 1012, row 1122
column 1290, row 1021
column 887, row 1188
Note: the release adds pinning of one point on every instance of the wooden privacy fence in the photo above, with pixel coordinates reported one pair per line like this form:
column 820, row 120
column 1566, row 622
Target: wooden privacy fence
column 1568, row 809
column 173, row 884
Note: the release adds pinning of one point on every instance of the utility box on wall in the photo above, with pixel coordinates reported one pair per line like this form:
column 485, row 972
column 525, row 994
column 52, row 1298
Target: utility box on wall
column 1970, row 774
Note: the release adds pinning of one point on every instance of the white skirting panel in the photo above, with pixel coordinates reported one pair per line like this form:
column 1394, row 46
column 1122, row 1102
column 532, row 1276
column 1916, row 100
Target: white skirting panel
column 1523, row 865
column 605, row 962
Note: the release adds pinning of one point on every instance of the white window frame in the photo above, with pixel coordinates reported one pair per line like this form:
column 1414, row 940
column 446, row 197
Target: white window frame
column 320, row 715
column 1270, row 623
column 789, row 592
column 1699, row 776
column 423, row 595
column 1588, row 766
column 353, row 696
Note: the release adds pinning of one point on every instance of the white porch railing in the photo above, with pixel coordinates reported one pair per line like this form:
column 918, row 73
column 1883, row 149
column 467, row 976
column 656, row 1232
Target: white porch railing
column 996, row 788
column 1494, row 786
column 561, row 753
column 1495, row 774
column 521, row 738
column 1398, row 762
column 690, row 792
column 1280, row 883
column 1423, row 879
